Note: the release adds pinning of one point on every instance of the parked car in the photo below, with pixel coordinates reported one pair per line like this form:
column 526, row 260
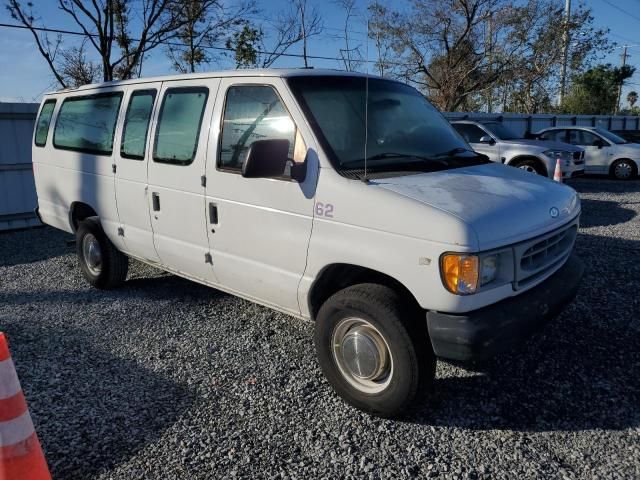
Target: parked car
column 502, row 145
column 336, row 197
column 632, row 136
column 605, row 152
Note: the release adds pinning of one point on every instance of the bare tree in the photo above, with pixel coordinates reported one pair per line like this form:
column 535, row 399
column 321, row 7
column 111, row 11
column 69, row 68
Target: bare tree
column 104, row 22
column 351, row 55
column 76, row 69
column 253, row 48
column 382, row 38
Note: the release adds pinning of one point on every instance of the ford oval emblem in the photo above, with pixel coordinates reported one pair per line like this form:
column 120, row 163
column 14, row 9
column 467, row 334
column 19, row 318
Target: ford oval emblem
column 554, row 212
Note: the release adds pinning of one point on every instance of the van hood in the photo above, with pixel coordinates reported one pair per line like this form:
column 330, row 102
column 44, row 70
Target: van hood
column 543, row 144
column 502, row 204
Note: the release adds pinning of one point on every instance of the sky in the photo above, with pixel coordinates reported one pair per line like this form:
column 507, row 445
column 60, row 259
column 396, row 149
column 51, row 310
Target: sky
column 25, row 76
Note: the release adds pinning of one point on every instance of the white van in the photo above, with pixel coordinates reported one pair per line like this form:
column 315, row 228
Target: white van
column 341, row 198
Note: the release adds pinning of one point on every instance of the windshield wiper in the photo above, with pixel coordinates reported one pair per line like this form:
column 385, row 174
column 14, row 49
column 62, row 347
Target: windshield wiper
column 382, row 156
column 452, row 153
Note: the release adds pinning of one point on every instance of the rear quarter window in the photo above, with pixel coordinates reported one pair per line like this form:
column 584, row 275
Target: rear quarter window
column 42, row 125
column 88, row 123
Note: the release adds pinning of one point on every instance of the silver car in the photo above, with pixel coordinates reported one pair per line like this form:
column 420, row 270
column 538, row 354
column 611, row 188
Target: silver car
column 502, row 145
column 605, row 152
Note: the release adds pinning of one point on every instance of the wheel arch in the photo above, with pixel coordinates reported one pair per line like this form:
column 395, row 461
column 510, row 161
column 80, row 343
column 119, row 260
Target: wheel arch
column 337, row 276
column 630, row 160
column 78, row 212
column 540, row 165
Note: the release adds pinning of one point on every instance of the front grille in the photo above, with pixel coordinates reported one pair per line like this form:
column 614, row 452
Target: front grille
column 535, row 258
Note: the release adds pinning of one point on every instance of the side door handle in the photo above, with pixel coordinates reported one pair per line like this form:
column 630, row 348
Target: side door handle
column 155, row 199
column 213, row 213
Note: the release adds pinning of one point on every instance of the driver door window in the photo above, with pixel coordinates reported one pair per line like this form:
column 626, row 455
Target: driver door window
column 471, row 133
column 255, row 112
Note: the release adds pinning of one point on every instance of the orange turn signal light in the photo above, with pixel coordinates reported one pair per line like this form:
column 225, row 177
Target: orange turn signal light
column 460, row 273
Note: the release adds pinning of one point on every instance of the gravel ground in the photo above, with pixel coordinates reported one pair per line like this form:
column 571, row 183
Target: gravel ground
column 167, row 379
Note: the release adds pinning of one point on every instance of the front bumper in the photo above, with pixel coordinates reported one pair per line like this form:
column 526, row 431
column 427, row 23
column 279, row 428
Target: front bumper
column 485, row 332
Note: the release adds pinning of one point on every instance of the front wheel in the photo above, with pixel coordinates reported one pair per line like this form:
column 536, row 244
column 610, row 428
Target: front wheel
column 373, row 350
column 102, row 264
column 624, row 169
column 529, row 166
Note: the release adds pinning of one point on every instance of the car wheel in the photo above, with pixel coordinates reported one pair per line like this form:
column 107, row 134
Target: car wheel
column 624, row 169
column 373, row 350
column 529, row 166
column 102, row 264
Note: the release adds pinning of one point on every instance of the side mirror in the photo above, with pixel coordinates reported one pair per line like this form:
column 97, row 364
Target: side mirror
column 598, row 143
column 266, row 159
column 487, row 139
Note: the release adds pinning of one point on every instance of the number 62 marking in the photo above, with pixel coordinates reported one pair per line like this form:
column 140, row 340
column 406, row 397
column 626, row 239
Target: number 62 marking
column 324, row 210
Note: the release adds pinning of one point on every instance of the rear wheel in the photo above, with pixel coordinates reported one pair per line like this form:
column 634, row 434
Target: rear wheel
column 102, row 264
column 373, row 349
column 624, row 169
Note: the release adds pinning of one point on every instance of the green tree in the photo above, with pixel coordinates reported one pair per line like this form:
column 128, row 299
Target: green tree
column 632, row 98
column 595, row 91
column 207, row 23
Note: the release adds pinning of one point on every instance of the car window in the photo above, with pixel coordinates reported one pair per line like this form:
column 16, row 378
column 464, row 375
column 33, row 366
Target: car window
column 87, row 124
column 42, row 128
column 253, row 112
column 136, row 124
column 471, row 133
column 178, row 130
column 582, row 138
column 554, row 135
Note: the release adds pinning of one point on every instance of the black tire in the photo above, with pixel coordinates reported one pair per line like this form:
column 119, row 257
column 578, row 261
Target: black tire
column 114, row 264
column 403, row 331
column 530, row 165
column 628, row 171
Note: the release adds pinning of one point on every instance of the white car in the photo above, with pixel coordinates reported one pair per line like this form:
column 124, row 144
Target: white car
column 605, row 152
column 340, row 198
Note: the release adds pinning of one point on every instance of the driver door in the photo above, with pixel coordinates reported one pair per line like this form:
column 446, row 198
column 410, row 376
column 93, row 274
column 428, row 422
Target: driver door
column 259, row 228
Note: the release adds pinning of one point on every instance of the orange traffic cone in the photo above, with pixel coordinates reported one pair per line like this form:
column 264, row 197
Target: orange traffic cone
column 557, row 175
column 21, row 456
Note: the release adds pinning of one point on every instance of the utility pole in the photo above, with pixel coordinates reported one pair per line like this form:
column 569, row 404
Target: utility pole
column 490, row 55
column 624, row 62
column 565, row 49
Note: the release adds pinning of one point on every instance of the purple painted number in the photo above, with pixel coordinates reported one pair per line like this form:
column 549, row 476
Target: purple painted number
column 324, row 209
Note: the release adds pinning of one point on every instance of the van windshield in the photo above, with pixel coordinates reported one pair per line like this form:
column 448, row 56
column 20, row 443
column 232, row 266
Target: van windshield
column 404, row 131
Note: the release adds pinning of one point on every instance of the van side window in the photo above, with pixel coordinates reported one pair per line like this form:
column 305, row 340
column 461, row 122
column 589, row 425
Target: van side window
column 136, row 124
column 253, row 112
column 179, row 125
column 88, row 123
column 42, row 128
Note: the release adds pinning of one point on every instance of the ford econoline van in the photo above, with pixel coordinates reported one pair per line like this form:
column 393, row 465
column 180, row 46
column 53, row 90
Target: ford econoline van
column 340, row 198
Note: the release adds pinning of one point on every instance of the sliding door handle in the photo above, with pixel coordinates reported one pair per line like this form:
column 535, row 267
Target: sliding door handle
column 155, row 200
column 213, row 213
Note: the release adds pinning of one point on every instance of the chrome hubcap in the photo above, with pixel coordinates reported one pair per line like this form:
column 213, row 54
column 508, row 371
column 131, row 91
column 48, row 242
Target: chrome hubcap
column 92, row 254
column 362, row 355
column 623, row 170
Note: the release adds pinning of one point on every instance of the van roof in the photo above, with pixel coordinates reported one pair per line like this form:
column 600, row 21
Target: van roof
column 248, row 72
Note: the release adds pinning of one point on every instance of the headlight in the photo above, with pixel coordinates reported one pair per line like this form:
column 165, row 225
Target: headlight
column 462, row 274
column 558, row 153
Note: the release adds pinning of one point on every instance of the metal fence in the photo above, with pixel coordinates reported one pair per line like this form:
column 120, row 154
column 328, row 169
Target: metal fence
column 17, row 188
column 522, row 123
